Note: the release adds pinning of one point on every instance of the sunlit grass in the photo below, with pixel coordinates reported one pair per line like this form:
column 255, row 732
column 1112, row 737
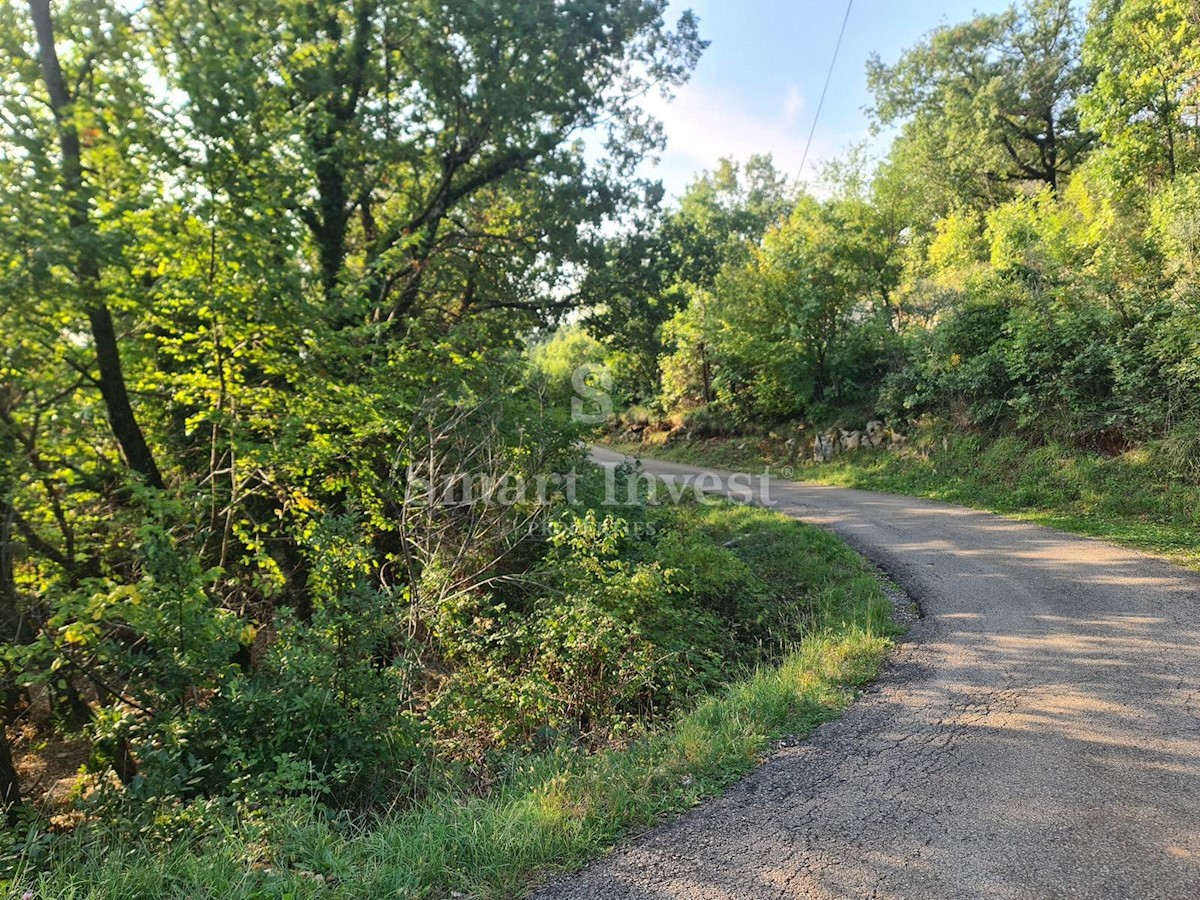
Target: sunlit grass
column 1131, row 499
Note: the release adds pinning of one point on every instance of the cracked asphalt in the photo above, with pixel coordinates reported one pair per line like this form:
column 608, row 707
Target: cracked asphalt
column 1036, row 736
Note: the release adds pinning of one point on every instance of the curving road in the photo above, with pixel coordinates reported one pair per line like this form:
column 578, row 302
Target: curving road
column 1038, row 735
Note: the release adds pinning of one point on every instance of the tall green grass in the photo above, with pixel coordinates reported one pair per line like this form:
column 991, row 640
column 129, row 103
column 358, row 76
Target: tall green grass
column 549, row 812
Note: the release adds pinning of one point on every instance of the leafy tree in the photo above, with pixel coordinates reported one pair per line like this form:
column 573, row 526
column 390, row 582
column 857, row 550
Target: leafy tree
column 873, row 216
column 249, row 252
column 72, row 123
column 631, row 291
column 429, row 149
column 778, row 328
column 567, row 355
column 996, row 96
column 725, row 212
column 1145, row 105
column 650, row 273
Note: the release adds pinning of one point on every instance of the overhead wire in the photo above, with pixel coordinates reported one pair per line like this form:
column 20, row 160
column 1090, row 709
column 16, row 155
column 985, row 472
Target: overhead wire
column 825, row 90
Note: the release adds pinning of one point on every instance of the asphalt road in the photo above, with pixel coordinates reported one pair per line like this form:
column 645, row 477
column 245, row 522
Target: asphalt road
column 1037, row 736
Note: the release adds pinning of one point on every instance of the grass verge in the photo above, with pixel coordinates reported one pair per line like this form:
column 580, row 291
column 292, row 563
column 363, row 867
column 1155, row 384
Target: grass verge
column 550, row 812
column 1128, row 499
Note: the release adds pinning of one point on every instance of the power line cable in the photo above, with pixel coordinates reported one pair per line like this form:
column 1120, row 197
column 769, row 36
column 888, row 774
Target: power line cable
column 825, row 90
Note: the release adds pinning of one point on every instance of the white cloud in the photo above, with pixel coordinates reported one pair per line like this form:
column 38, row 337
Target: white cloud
column 793, row 104
column 703, row 125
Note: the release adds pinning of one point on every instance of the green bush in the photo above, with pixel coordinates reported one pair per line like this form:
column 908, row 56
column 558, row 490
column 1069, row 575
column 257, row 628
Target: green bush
column 637, row 616
column 545, row 805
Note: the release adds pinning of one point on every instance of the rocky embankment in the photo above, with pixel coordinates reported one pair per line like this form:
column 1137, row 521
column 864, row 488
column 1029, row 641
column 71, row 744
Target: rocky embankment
column 875, row 435
column 800, row 439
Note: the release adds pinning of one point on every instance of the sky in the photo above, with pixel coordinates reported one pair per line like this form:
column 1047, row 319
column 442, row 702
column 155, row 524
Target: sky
column 758, row 84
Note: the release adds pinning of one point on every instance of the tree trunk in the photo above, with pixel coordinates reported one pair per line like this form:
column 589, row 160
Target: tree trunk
column 1051, row 152
column 9, row 613
column 705, row 374
column 10, row 785
column 11, row 621
column 67, row 705
column 1169, row 120
column 123, row 762
column 113, row 389
column 330, row 225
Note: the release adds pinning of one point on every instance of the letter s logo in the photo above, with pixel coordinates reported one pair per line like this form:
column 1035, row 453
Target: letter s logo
column 592, row 384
